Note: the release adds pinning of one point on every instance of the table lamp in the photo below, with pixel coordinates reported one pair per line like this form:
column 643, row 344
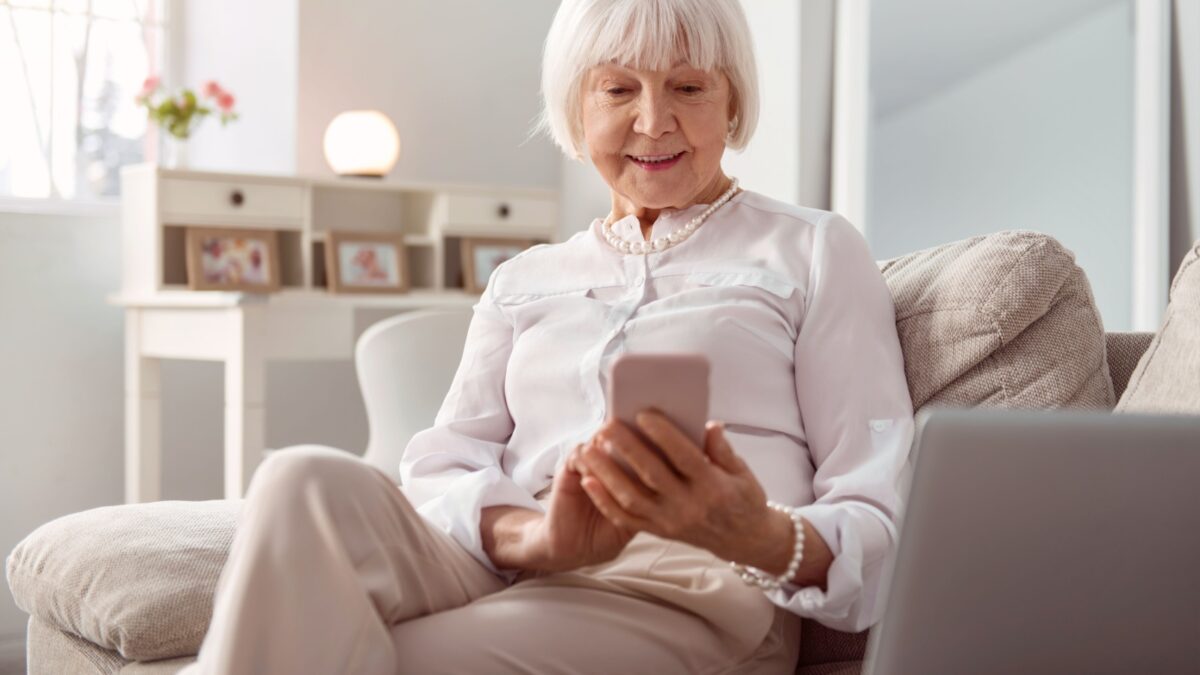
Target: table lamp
column 361, row 143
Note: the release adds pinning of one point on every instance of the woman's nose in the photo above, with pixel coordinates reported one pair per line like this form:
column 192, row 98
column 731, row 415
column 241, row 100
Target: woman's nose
column 654, row 116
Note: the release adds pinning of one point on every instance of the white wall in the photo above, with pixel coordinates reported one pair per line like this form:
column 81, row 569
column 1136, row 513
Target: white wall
column 770, row 164
column 60, row 360
column 1041, row 140
column 1185, row 130
column 250, row 49
column 459, row 78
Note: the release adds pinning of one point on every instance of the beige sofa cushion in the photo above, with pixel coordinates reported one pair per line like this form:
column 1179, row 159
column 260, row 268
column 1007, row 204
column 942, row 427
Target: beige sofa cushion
column 1125, row 350
column 1005, row 319
column 1167, row 378
column 136, row 579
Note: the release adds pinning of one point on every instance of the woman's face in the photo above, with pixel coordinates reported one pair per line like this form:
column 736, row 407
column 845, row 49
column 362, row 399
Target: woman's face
column 656, row 137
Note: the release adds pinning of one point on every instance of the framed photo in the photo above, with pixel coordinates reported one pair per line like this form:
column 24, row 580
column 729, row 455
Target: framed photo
column 480, row 256
column 365, row 262
column 232, row 259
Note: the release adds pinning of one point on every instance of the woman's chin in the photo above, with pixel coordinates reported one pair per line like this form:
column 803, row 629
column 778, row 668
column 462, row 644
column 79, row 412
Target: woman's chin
column 658, row 197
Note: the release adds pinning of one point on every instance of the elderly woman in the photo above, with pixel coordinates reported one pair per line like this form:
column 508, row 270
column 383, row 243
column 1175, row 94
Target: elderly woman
column 517, row 543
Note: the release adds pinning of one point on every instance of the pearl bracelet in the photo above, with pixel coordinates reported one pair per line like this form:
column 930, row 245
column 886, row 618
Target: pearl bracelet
column 756, row 577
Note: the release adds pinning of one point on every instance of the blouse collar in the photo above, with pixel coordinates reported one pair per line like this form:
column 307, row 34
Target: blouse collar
column 669, row 220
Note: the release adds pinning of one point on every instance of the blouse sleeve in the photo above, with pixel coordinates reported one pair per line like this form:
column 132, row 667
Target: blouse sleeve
column 858, row 420
column 452, row 470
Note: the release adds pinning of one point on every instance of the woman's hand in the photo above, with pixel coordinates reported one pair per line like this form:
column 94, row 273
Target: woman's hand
column 706, row 497
column 573, row 533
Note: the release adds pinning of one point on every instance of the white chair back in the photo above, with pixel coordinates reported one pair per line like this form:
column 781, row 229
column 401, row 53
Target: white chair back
column 405, row 365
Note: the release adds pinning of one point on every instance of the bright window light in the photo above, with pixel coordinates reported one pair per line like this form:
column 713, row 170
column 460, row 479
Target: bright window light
column 69, row 71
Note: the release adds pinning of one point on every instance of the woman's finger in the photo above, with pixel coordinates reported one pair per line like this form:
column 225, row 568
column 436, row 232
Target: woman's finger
column 610, row 509
column 633, row 497
column 717, row 446
column 573, row 456
column 675, row 444
column 654, row 471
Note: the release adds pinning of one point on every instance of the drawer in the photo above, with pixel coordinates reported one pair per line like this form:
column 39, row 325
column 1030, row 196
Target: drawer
column 215, row 202
column 498, row 210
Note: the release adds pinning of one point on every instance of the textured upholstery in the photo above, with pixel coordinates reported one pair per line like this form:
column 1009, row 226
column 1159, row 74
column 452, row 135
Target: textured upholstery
column 822, row 645
column 1003, row 320
column 1124, row 352
column 136, row 579
column 54, row 652
column 60, row 653
column 838, row 668
column 1166, row 379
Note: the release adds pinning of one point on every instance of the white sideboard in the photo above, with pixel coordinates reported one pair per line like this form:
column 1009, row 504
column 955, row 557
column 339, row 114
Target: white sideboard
column 301, row 321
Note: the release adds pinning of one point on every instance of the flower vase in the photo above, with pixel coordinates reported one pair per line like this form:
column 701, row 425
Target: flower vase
column 173, row 152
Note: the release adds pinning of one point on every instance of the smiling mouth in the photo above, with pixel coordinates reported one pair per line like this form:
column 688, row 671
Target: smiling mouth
column 655, row 162
column 654, row 159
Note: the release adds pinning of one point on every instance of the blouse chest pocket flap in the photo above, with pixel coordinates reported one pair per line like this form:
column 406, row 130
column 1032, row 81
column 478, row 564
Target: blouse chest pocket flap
column 767, row 281
column 519, row 297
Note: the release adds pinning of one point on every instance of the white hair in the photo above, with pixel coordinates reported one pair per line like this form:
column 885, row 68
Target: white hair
column 710, row 35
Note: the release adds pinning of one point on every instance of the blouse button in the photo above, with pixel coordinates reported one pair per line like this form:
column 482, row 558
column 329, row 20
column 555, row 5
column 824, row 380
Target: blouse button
column 880, row 425
column 639, row 279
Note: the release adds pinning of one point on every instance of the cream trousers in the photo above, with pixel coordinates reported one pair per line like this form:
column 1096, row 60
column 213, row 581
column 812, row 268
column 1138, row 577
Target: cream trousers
column 332, row 571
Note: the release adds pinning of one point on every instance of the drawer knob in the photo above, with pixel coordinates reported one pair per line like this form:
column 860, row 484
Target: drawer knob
column 236, row 198
column 503, row 210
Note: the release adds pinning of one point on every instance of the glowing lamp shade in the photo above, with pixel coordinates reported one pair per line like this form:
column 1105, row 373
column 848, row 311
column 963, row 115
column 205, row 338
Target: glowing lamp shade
column 361, row 143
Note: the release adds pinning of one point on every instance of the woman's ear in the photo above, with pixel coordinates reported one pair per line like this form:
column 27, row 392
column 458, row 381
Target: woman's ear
column 732, row 114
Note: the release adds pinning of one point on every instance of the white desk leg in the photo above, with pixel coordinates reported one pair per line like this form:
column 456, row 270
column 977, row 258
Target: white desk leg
column 245, row 400
column 143, row 409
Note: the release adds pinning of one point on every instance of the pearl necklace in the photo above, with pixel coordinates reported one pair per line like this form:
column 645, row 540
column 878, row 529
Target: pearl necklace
column 660, row 244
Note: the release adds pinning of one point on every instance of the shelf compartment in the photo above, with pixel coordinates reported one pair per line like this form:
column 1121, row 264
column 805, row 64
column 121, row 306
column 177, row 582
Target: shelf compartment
column 174, row 258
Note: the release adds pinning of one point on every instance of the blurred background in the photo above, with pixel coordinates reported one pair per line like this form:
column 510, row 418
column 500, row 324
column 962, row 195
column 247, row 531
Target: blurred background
column 924, row 121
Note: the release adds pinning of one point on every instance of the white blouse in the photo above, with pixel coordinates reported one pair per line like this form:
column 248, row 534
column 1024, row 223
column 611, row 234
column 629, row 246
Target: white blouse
column 807, row 373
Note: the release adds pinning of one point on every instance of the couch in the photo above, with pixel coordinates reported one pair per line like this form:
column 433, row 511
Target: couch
column 1005, row 320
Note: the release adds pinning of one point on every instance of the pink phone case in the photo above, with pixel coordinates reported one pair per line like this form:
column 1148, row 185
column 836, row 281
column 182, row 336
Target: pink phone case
column 674, row 383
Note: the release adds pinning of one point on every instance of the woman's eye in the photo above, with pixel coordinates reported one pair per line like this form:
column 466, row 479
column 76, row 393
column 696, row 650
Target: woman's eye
column 615, row 91
column 690, row 89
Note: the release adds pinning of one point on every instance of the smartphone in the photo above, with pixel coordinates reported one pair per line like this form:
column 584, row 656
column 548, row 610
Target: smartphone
column 674, row 383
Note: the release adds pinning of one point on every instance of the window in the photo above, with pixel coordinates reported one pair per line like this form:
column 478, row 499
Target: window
column 69, row 72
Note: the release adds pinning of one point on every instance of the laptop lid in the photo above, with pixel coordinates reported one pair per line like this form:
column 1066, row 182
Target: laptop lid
column 1046, row 542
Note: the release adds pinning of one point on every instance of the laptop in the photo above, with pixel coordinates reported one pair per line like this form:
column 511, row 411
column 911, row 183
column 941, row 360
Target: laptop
column 1035, row 542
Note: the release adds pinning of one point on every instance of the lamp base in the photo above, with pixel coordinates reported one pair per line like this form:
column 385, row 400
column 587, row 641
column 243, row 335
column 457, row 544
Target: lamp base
column 360, row 175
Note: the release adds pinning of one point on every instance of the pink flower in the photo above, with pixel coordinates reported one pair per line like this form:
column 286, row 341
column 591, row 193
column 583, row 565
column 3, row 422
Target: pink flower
column 225, row 101
column 212, row 89
column 148, row 87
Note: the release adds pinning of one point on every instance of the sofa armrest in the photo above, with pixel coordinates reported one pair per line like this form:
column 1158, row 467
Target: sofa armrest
column 135, row 579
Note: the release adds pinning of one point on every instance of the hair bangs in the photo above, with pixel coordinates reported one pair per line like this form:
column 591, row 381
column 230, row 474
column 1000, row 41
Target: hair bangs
column 656, row 35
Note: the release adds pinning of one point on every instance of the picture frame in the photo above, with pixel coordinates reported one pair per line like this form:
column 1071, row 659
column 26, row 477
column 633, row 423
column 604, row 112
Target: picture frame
column 366, row 262
column 482, row 255
column 232, row 259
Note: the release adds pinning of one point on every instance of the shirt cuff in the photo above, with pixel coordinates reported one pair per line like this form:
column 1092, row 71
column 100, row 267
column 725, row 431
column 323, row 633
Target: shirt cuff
column 458, row 511
column 859, row 536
